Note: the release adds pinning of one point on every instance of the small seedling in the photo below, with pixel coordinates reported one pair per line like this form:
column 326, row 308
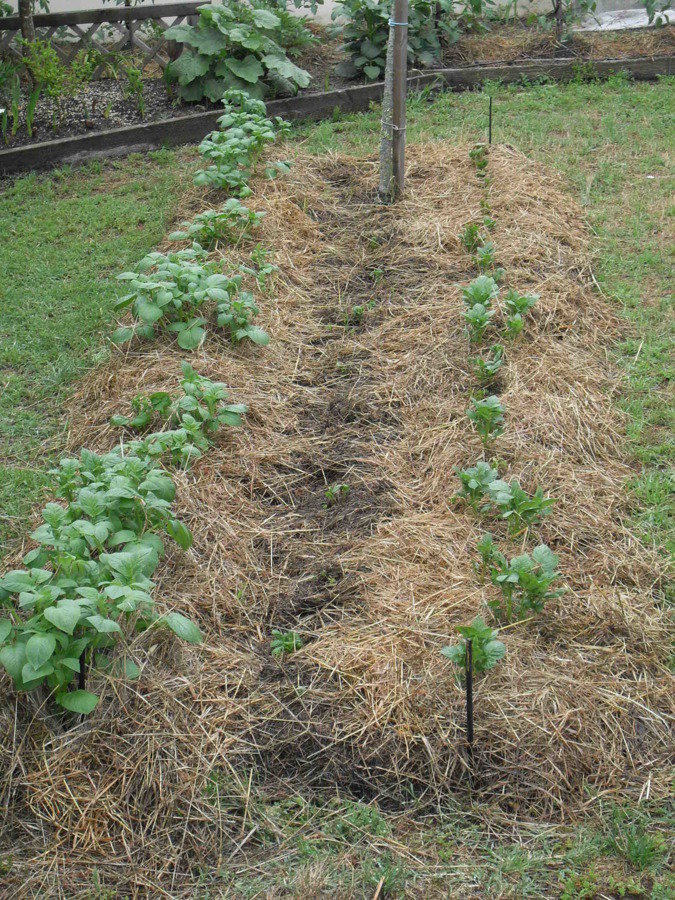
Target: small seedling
column 517, row 507
column 525, row 581
column 470, row 237
column 486, row 369
column 335, row 493
column 514, row 326
column 485, row 256
column 486, row 649
column 475, row 482
column 378, row 275
column 487, row 416
column 478, row 156
column 285, row 642
column 477, row 319
column 489, row 223
column 520, row 304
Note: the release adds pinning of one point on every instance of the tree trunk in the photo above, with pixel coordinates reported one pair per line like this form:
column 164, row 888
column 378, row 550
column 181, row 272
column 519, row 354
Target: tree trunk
column 559, row 21
column 26, row 16
column 387, row 133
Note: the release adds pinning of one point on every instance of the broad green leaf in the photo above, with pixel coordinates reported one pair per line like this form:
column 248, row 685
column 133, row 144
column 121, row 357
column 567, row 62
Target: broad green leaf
column 122, row 335
column 81, row 702
column 183, row 627
column 249, row 69
column 13, row 658
column 494, row 650
column 103, row 625
column 39, row 649
column 257, row 335
column 189, row 66
column 180, row 533
column 284, row 67
column 263, row 18
column 65, row 615
column 5, row 630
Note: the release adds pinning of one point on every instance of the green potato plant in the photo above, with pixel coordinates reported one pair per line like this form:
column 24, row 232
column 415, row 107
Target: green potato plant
column 477, row 319
column 485, row 256
column 487, row 416
column 476, row 481
column 228, row 225
column 89, row 572
column 483, row 289
column 167, row 290
column 235, row 148
column 335, row 493
column 516, row 506
column 486, row 649
column 517, row 306
column 486, row 369
column 525, row 581
column 285, row 642
column 471, row 237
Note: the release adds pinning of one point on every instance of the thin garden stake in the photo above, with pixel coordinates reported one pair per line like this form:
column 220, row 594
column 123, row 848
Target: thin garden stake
column 82, row 675
column 400, row 26
column 490, row 123
column 469, row 700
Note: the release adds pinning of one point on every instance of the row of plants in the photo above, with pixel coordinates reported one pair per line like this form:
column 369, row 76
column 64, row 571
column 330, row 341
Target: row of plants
column 526, row 581
column 87, row 584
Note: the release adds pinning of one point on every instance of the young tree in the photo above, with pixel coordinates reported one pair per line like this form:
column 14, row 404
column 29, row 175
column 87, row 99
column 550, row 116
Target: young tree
column 26, row 17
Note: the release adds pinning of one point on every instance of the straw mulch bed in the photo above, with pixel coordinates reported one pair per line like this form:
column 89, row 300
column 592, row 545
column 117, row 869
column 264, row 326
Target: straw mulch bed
column 517, row 43
column 376, row 584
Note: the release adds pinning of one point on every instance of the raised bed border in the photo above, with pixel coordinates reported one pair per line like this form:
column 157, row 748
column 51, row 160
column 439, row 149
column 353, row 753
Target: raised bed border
column 193, row 127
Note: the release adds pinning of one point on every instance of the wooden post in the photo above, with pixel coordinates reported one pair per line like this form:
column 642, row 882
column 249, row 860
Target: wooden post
column 400, row 25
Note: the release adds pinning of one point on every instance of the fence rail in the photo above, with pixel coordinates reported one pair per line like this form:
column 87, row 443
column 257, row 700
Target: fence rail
column 69, row 32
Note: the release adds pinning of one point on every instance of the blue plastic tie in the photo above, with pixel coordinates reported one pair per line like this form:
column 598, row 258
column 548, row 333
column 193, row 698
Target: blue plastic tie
column 400, row 24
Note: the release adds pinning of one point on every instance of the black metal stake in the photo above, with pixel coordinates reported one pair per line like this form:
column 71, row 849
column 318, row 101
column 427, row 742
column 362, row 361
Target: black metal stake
column 82, row 675
column 490, row 123
column 469, row 701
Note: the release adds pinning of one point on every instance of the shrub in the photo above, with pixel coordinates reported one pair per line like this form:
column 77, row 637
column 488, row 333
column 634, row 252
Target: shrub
column 366, row 34
column 237, row 46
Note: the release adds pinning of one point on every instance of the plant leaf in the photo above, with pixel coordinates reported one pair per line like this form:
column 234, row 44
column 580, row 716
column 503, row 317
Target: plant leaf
column 81, row 702
column 183, row 627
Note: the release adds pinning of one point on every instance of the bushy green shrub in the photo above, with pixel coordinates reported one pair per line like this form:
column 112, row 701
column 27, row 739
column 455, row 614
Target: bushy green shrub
column 237, row 46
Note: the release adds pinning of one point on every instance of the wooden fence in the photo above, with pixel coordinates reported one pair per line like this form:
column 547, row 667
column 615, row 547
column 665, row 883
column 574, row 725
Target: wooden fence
column 108, row 30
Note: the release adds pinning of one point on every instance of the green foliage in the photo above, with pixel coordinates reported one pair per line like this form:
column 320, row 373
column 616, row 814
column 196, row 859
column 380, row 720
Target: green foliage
column 470, row 237
column 517, row 305
column 477, row 319
column 241, row 47
column 285, row 642
column 235, row 149
column 516, row 506
column 485, row 256
column 56, row 79
column 366, row 33
column 628, row 835
column 486, row 649
column 487, row 416
column 261, row 268
column 133, row 88
column 235, row 311
column 189, row 423
column 479, row 157
column 525, row 580
column 89, row 572
column 483, row 290
column 475, row 482
column 229, row 224
column 167, row 290
column 486, row 368
column 335, row 493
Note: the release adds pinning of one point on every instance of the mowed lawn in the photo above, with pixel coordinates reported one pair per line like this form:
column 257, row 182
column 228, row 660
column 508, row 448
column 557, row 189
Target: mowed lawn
column 66, row 236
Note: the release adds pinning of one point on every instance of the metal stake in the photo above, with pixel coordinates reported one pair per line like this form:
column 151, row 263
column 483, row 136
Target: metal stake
column 490, row 123
column 469, row 700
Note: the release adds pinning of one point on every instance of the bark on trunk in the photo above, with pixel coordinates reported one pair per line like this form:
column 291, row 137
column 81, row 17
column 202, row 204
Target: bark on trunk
column 386, row 189
column 26, row 16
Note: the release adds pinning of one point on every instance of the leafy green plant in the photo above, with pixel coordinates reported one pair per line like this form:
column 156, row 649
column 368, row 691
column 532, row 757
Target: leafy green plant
column 285, row 642
column 479, row 157
column 483, row 290
column 229, row 224
column 191, row 420
column 236, row 46
column 470, row 237
column 475, row 482
column 486, row 368
column 489, row 223
column 335, row 493
column 525, row 581
column 235, row 148
column 486, row 649
column 101, row 546
column 517, row 305
column 477, row 319
column 366, row 32
column 55, row 79
column 261, row 269
column 517, row 507
column 235, row 313
column 485, row 256
column 134, row 88
column 167, row 290
column 487, row 416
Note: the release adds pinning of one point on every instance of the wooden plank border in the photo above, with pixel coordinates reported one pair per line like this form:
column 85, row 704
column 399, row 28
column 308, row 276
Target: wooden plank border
column 191, row 128
column 101, row 16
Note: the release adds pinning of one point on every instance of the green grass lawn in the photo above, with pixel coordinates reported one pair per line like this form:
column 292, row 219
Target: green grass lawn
column 67, row 236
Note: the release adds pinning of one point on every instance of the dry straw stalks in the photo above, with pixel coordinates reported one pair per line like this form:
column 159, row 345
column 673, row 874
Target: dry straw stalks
column 376, row 583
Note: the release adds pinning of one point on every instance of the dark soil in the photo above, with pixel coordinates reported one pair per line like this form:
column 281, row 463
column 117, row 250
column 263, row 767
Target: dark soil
column 102, row 105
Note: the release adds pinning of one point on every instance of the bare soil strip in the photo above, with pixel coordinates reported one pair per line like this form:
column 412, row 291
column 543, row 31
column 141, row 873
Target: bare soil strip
column 156, row 785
